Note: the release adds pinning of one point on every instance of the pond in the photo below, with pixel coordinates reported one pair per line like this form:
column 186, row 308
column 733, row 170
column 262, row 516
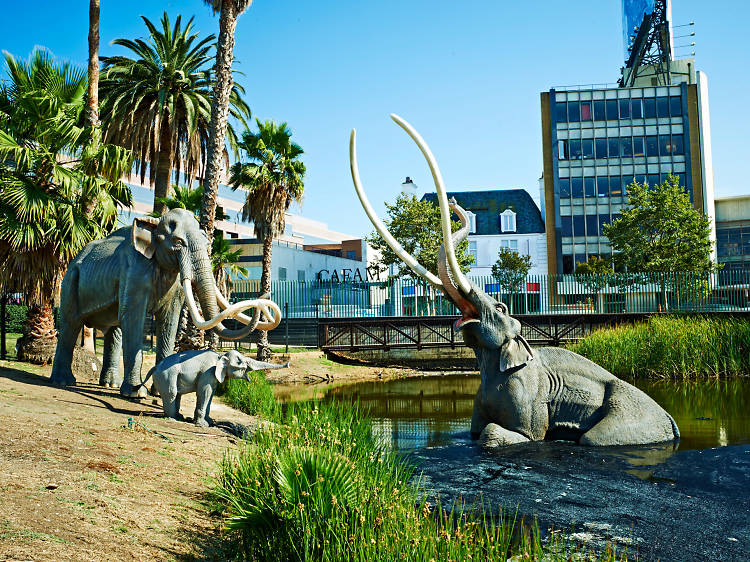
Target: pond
column 684, row 501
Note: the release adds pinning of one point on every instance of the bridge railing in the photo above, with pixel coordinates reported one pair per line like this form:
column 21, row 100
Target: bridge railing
column 533, row 295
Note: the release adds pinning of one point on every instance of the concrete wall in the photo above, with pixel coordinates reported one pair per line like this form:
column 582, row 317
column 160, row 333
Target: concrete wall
column 729, row 209
column 488, row 246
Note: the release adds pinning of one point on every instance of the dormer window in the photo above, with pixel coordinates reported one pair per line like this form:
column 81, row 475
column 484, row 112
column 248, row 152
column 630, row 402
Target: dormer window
column 472, row 222
column 507, row 221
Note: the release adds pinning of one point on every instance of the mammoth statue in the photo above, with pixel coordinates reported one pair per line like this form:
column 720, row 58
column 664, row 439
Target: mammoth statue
column 525, row 395
column 149, row 267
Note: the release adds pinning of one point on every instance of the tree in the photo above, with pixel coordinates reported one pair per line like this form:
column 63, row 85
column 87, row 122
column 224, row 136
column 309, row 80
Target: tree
column 93, row 97
column 52, row 168
column 158, row 104
column 416, row 226
column 225, row 262
column 661, row 232
column 229, row 11
column 274, row 179
column 594, row 274
column 510, row 271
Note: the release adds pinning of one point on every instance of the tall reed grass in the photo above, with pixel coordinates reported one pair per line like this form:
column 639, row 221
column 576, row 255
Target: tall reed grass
column 319, row 487
column 679, row 347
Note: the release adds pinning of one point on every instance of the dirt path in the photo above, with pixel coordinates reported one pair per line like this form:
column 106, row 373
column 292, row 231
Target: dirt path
column 76, row 484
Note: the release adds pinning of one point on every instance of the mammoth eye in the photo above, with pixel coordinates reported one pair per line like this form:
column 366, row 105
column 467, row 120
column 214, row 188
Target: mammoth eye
column 178, row 242
column 502, row 307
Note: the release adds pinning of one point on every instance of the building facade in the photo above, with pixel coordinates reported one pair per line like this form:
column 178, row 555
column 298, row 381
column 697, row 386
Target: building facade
column 502, row 218
column 598, row 141
column 733, row 233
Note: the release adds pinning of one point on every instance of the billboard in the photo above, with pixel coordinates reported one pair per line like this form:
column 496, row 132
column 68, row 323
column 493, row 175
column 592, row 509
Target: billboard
column 632, row 17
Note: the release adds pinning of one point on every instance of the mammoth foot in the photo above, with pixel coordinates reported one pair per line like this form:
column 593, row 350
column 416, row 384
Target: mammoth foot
column 110, row 380
column 61, row 378
column 494, row 435
column 133, row 391
column 202, row 422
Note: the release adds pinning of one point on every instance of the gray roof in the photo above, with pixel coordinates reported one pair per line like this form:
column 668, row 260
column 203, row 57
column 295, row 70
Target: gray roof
column 487, row 206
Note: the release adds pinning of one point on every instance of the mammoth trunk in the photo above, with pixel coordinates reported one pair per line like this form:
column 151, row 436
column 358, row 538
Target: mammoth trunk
column 204, row 283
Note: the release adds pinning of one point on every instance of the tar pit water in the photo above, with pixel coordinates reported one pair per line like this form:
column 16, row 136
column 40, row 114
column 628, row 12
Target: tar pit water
column 683, row 501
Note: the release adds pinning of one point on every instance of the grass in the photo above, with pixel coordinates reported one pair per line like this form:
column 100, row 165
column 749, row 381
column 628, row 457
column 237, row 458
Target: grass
column 319, row 487
column 678, row 347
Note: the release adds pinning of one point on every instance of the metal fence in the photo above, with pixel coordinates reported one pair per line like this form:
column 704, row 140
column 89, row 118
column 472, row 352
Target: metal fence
column 536, row 294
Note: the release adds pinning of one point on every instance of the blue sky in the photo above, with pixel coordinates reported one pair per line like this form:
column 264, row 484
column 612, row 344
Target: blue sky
column 466, row 74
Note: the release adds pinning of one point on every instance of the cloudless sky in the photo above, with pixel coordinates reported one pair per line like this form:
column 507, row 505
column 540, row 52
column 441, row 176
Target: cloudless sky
column 466, row 74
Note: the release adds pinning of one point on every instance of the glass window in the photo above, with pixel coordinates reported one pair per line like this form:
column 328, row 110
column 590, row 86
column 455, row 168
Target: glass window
column 612, row 112
column 586, row 111
column 508, row 221
column 592, row 225
column 576, row 187
column 665, row 146
column 677, row 145
column 567, row 226
column 625, row 109
column 473, row 250
column 681, row 178
column 603, row 220
column 614, row 147
column 300, row 275
column 662, row 107
column 562, row 150
column 599, row 114
column 589, row 187
column 627, row 182
column 567, row 264
column 601, row 148
column 578, row 225
column 561, row 112
column 638, row 149
column 564, row 187
column 626, row 146
column 574, row 147
column 649, row 108
column 602, row 186
column 636, row 109
column 615, row 186
column 652, row 146
column 282, row 274
column 587, row 148
column 580, row 258
column 574, row 111
column 653, row 179
column 675, row 106
column 472, row 222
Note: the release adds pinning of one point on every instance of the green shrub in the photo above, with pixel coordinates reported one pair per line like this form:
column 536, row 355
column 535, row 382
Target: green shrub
column 255, row 398
column 671, row 347
column 15, row 317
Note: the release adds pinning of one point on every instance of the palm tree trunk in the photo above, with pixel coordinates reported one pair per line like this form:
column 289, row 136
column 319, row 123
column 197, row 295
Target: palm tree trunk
column 264, row 349
column 219, row 114
column 93, row 109
column 39, row 339
column 163, row 168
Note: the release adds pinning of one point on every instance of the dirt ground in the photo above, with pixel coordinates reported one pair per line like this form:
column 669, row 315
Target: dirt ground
column 77, row 484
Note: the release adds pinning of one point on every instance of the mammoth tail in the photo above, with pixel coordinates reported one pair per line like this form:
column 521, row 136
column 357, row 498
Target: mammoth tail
column 151, row 372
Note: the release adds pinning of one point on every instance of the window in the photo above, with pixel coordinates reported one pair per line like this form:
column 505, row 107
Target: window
column 282, row 274
column 638, row 149
column 603, row 221
column 567, row 226
column 653, row 179
column 602, row 186
column 615, row 186
column 626, row 147
column 587, row 148
column 472, row 222
column 508, row 221
column 567, row 264
column 612, row 112
column 562, row 150
column 662, row 107
column 592, row 225
column 599, row 114
column 675, row 106
column 510, row 244
column 652, row 146
column 677, row 145
column 578, row 225
column 575, row 149
column 601, row 148
column 586, row 111
column 589, row 187
column 574, row 112
column 625, row 109
column 576, row 187
column 561, row 112
column 473, row 250
column 300, row 275
column 564, row 187
column 614, row 147
column 636, row 109
column 665, row 146
column 649, row 108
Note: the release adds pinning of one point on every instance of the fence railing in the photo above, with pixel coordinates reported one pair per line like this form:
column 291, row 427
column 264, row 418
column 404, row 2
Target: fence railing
column 536, row 294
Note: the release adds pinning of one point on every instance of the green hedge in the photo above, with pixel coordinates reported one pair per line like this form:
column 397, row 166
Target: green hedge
column 15, row 317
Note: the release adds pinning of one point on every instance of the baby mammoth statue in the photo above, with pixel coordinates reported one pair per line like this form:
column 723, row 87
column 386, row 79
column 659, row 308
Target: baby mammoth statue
column 199, row 371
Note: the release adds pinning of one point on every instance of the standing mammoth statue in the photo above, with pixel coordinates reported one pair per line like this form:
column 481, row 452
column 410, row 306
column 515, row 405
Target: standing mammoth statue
column 525, row 395
column 149, row 267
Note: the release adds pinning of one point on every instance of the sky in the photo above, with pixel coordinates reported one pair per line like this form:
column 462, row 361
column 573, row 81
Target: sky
column 467, row 75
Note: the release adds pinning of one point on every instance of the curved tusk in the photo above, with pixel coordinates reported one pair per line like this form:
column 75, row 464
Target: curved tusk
column 407, row 258
column 273, row 316
column 445, row 218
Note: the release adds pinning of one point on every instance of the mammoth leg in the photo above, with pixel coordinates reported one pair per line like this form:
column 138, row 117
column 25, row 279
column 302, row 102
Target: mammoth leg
column 494, row 435
column 167, row 320
column 478, row 422
column 110, row 375
column 70, row 327
column 204, row 394
column 132, row 320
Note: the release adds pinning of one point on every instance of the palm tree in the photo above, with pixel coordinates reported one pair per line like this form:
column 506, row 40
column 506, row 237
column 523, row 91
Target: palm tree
column 93, row 99
column 158, row 104
column 274, row 179
column 225, row 263
column 51, row 170
column 229, row 11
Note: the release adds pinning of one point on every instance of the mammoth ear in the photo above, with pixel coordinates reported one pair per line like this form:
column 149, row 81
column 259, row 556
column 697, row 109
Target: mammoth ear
column 143, row 235
column 221, row 367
